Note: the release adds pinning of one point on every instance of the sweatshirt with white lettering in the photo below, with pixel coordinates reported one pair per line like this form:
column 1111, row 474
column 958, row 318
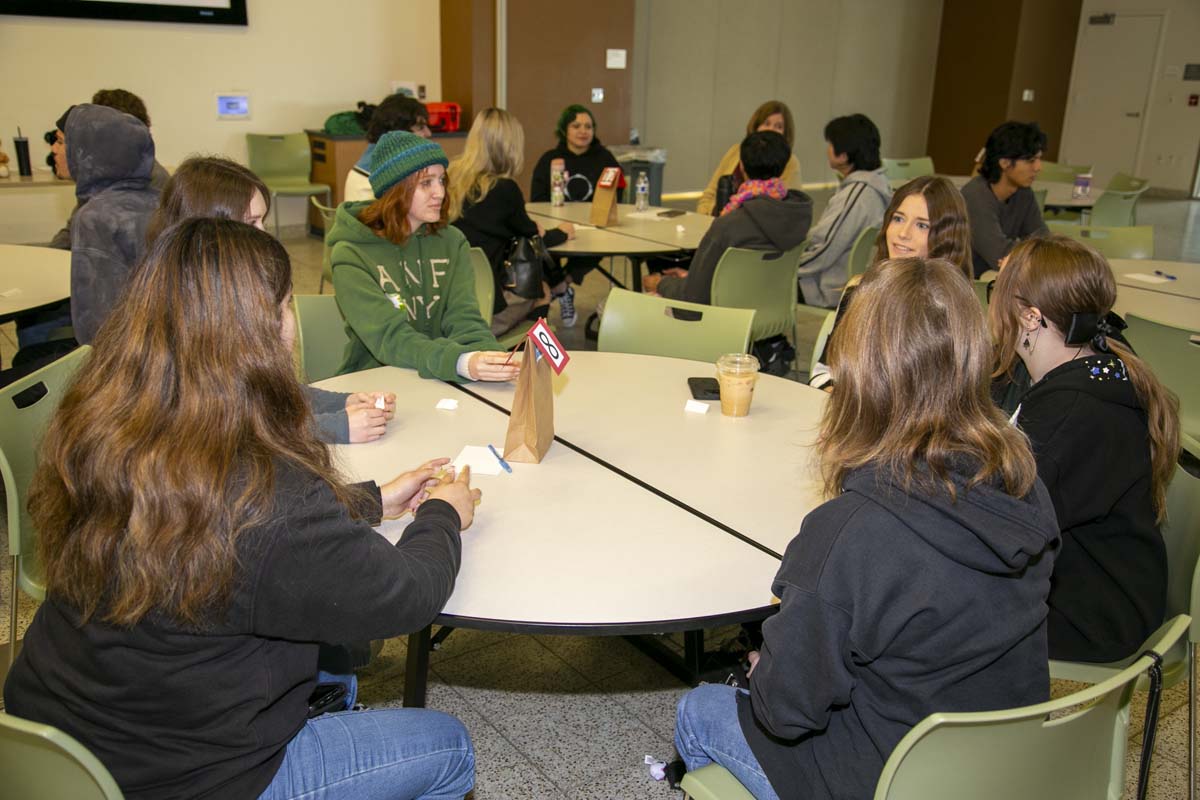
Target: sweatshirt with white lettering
column 405, row 306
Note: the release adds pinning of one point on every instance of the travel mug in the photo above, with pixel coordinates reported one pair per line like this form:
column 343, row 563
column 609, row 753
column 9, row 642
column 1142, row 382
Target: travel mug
column 21, row 145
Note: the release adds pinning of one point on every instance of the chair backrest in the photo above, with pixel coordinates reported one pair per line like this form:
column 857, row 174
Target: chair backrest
column 41, row 761
column 25, row 410
column 764, row 281
column 320, row 335
column 1124, row 182
column 640, row 323
column 283, row 155
column 1136, row 241
column 1040, row 196
column 860, row 254
column 1023, row 752
column 1061, row 173
column 1181, row 534
column 485, row 284
column 896, row 168
column 822, row 337
column 1174, row 359
column 327, row 216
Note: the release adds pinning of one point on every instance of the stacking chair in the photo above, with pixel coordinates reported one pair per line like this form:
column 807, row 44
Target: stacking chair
column 822, row 337
column 1136, row 241
column 485, row 292
column 907, row 168
column 860, row 254
column 26, row 406
column 1066, row 749
column 41, row 761
column 640, row 323
column 1061, row 173
column 327, row 214
column 1117, row 205
column 284, row 162
column 1181, row 534
column 320, row 335
column 763, row 281
column 1175, row 360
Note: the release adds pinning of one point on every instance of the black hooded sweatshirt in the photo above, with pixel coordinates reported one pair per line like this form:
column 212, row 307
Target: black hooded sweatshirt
column 894, row 606
column 582, row 172
column 1090, row 437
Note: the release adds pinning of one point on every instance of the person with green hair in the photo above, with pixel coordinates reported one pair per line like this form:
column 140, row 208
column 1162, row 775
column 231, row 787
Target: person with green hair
column 584, row 158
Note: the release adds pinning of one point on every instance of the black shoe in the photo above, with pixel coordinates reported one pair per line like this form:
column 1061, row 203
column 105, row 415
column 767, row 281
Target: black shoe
column 674, row 773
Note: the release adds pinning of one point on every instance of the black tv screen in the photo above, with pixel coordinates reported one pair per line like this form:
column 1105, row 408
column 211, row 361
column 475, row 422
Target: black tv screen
column 210, row 12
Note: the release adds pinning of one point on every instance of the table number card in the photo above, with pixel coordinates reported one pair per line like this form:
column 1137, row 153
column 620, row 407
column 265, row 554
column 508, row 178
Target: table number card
column 549, row 345
column 604, row 200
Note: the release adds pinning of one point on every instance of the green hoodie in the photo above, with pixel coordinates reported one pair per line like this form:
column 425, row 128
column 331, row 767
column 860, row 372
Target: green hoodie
column 405, row 306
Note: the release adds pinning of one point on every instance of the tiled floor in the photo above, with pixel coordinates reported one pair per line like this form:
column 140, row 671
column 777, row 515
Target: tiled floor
column 567, row 716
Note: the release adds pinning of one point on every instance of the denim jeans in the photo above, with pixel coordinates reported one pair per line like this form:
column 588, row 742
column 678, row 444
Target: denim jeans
column 707, row 731
column 390, row 754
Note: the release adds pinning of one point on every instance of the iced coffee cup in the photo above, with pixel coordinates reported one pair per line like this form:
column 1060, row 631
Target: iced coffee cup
column 736, row 374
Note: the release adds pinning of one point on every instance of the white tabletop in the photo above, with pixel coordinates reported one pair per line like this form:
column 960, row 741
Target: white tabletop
column 1172, row 302
column 681, row 232
column 568, row 542
column 753, row 474
column 1178, row 278
column 31, row 277
column 608, row 242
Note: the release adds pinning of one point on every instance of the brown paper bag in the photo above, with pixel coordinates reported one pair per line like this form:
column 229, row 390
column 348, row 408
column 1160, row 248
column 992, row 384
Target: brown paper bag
column 531, row 423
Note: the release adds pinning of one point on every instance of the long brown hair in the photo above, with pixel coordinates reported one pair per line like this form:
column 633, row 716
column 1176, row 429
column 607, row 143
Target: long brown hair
column 206, row 186
column 910, row 362
column 949, row 231
column 164, row 449
column 767, row 109
column 388, row 215
column 1060, row 277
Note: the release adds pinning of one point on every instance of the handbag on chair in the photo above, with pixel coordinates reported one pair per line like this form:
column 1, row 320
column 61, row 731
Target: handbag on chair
column 525, row 267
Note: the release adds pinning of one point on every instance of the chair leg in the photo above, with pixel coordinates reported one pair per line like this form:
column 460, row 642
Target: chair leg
column 321, row 286
column 12, row 616
column 1191, row 657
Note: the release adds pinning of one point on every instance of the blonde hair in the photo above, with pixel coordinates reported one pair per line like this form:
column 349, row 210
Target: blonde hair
column 911, row 362
column 495, row 149
column 1060, row 277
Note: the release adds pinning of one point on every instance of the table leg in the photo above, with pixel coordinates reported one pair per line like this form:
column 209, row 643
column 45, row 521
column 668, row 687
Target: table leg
column 416, row 670
column 693, row 652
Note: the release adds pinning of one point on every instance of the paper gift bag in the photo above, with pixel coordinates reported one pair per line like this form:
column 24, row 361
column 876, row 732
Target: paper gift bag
column 531, row 423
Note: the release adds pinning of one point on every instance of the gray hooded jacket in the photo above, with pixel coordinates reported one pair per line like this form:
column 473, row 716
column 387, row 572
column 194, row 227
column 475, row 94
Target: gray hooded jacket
column 111, row 156
column 859, row 202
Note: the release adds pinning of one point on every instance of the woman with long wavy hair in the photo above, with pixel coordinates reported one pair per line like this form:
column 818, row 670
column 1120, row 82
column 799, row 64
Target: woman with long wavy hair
column 1106, row 436
column 920, row 584
column 198, row 546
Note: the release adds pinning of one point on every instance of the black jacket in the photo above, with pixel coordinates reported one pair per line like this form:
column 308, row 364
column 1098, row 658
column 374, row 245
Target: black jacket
column 174, row 712
column 1090, row 436
column 582, row 173
column 493, row 223
column 894, row 606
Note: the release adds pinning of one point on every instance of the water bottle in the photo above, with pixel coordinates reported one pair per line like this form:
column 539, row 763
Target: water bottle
column 558, row 182
column 643, row 191
column 1083, row 186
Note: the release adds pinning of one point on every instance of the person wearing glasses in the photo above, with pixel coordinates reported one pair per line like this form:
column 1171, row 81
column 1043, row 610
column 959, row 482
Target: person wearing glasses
column 1000, row 202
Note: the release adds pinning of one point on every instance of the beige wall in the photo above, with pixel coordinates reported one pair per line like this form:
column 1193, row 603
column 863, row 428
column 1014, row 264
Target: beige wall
column 705, row 65
column 300, row 61
column 1168, row 151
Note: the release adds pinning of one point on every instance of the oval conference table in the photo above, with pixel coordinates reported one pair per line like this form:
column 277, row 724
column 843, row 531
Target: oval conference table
column 31, row 278
column 642, row 518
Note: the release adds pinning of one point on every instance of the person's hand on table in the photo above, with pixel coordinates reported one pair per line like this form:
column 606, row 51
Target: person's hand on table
column 488, row 365
column 458, row 493
column 372, row 399
column 366, row 423
column 567, row 228
column 752, row 657
column 409, row 489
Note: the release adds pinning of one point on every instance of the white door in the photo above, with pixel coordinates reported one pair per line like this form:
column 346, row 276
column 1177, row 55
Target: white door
column 1110, row 91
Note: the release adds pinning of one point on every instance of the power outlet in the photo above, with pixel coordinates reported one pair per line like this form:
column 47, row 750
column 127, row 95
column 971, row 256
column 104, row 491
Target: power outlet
column 1027, row 96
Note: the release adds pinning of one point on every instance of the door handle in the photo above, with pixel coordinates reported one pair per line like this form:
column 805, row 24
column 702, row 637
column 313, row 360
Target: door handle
column 1133, row 114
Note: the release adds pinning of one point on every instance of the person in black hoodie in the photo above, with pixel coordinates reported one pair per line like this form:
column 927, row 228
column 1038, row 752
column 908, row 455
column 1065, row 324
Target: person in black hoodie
column 921, row 585
column 763, row 214
column 1106, row 436
column 198, row 547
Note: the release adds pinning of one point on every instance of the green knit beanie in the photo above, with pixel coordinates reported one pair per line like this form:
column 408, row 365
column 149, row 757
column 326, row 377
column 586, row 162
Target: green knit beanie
column 399, row 154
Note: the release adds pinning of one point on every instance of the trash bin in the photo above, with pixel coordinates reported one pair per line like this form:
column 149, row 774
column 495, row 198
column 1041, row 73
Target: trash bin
column 635, row 158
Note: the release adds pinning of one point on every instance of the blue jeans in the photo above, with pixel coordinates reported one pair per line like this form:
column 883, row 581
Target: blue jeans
column 707, row 731
column 390, row 754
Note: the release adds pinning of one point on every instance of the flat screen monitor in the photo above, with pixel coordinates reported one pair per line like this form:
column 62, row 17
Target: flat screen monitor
column 210, row 12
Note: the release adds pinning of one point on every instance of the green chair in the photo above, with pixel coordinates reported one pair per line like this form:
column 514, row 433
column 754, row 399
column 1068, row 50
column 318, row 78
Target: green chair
column 21, row 430
column 640, row 323
column 860, row 254
column 1124, row 182
column 485, row 292
column 907, row 168
column 1053, row 172
column 763, row 281
column 1135, row 241
column 320, row 335
column 327, row 214
column 1067, row 749
column 1040, row 196
column 41, row 761
column 1117, row 205
column 822, row 337
column 284, row 162
column 1175, row 360
column 1181, row 534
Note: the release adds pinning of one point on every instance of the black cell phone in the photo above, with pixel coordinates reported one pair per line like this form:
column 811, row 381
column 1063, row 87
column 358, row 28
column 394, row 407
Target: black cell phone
column 671, row 212
column 705, row 388
column 327, row 697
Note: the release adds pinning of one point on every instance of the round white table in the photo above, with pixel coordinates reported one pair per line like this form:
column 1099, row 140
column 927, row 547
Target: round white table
column 32, row 277
column 641, row 518
column 1163, row 291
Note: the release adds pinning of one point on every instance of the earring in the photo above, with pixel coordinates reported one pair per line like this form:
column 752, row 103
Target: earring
column 1025, row 343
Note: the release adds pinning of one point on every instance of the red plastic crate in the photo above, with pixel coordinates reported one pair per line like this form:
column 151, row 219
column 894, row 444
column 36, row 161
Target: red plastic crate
column 444, row 117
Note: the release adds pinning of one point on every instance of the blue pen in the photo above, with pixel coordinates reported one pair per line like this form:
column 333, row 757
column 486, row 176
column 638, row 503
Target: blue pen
column 500, row 458
column 1166, row 275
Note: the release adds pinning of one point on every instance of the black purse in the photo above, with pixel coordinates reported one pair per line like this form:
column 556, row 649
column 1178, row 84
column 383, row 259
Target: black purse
column 525, row 267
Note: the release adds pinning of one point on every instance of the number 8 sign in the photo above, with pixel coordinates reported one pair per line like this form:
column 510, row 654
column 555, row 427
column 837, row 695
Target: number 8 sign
column 549, row 345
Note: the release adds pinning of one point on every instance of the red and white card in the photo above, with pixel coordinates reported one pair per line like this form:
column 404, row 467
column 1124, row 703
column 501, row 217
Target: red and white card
column 549, row 346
